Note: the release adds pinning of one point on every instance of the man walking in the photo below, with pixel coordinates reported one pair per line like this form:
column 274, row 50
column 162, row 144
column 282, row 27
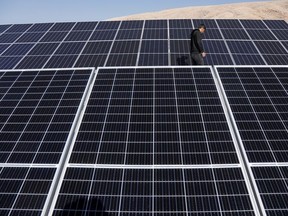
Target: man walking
column 196, row 47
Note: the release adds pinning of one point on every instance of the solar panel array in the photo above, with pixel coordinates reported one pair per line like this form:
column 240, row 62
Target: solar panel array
column 108, row 118
column 141, row 43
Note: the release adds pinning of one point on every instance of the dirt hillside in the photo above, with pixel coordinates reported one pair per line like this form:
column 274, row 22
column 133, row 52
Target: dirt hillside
column 275, row 9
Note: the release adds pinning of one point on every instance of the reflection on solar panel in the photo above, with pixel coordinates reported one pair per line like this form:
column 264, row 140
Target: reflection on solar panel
column 157, row 137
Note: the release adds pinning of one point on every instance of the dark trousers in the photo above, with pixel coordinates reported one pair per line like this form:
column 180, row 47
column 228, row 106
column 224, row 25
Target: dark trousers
column 197, row 59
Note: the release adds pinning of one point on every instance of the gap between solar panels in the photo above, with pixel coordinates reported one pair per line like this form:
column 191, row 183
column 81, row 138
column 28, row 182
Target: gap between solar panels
column 70, row 140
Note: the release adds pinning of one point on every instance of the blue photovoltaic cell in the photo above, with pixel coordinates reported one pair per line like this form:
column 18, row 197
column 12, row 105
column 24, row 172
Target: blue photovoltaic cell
column 153, row 59
column 229, row 23
column 85, row 26
column 78, row 36
column 155, row 34
column 30, row 37
column 125, row 47
column 91, row 60
column 218, row 59
column 103, row 35
column 132, row 24
column 276, row 59
column 180, row 33
column 122, row 59
column 212, row 34
column 209, row 23
column 18, row 50
column 9, row 62
column 61, row 27
column 151, row 46
column 53, row 36
column 285, row 44
column 108, row 25
column 243, row 59
column 30, row 62
column 244, row 47
column 9, row 38
column 270, row 47
column 43, row 49
column 180, row 46
column 40, row 27
column 129, row 34
column 211, row 46
column 281, row 34
column 260, row 34
column 70, row 48
column 253, row 24
column 19, row 28
column 155, row 24
column 234, row 34
column 3, row 28
column 180, row 24
column 97, row 47
column 276, row 24
column 3, row 47
column 58, row 61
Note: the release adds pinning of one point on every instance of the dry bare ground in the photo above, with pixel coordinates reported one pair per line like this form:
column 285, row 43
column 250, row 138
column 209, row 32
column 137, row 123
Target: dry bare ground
column 275, row 9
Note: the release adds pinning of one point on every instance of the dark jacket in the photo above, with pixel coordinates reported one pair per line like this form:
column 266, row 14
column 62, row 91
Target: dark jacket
column 196, row 45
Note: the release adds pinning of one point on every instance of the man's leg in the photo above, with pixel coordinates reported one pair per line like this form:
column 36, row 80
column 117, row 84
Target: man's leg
column 197, row 59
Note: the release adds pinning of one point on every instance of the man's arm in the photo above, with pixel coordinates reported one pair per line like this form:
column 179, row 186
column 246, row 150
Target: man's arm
column 199, row 42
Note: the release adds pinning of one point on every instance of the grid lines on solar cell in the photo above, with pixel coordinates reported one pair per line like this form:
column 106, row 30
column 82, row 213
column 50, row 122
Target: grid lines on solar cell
column 272, row 182
column 258, row 99
column 219, row 191
column 150, row 116
column 37, row 109
column 24, row 190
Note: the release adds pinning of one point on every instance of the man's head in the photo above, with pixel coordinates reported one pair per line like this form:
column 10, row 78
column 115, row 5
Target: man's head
column 202, row 28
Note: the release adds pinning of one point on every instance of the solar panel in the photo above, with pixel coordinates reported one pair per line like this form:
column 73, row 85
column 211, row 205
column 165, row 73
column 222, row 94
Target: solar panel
column 258, row 100
column 124, row 117
column 37, row 111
